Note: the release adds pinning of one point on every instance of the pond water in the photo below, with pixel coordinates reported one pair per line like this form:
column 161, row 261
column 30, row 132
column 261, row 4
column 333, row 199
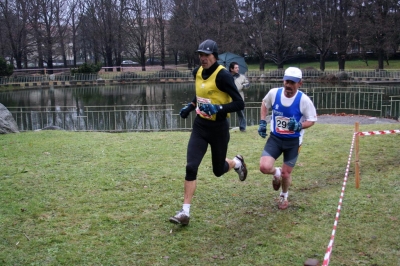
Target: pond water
column 155, row 106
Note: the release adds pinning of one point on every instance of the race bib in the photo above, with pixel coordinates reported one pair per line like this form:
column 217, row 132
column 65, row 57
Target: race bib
column 281, row 125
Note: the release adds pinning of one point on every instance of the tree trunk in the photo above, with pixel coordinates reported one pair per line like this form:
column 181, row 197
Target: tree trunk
column 279, row 60
column 321, row 62
column 109, row 57
column 262, row 63
column 162, row 45
column 381, row 58
column 49, row 56
column 341, row 62
column 19, row 62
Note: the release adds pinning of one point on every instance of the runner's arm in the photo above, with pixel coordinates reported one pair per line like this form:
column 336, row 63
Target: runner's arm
column 225, row 83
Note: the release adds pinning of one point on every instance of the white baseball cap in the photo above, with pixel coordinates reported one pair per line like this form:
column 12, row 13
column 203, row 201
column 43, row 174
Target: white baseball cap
column 293, row 74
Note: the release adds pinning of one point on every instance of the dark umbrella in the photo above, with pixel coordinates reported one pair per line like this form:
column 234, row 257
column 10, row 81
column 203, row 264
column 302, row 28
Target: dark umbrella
column 226, row 58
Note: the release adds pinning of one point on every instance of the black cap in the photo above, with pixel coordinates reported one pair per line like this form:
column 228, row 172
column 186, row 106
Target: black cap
column 208, row 47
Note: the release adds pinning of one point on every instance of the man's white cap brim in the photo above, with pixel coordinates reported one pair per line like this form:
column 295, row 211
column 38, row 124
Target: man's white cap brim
column 294, row 79
column 293, row 74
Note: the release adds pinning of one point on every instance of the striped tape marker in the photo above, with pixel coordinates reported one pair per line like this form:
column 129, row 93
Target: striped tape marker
column 330, row 245
column 367, row 133
column 381, row 132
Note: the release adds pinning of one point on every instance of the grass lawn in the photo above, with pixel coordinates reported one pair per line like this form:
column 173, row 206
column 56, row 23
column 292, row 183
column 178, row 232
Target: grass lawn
column 85, row 198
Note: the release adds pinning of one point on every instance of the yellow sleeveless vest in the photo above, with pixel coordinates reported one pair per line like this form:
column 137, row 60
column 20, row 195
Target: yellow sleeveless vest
column 207, row 92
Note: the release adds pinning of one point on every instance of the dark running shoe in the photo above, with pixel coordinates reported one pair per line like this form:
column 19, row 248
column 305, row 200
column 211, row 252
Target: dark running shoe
column 242, row 170
column 180, row 218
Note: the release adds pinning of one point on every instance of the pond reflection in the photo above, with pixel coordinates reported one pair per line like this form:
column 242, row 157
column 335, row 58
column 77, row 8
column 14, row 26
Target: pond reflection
column 136, row 107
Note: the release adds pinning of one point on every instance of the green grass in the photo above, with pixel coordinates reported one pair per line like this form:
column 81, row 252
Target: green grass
column 333, row 65
column 70, row 198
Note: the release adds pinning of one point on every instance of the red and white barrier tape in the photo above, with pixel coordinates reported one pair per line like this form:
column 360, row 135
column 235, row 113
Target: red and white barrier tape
column 380, row 132
column 368, row 133
column 330, row 245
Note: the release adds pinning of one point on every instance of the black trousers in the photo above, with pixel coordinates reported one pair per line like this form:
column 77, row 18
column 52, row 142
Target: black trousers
column 204, row 133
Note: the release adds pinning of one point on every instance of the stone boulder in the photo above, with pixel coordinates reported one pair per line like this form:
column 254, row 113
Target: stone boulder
column 7, row 122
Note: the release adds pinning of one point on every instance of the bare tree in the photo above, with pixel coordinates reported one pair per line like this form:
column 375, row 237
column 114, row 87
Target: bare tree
column 379, row 26
column 14, row 20
column 254, row 28
column 194, row 21
column 76, row 10
column 282, row 31
column 137, row 30
column 5, row 50
column 344, row 34
column 62, row 18
column 271, row 29
column 161, row 11
column 103, row 19
column 87, row 38
column 316, row 20
column 183, row 34
column 223, row 25
column 34, row 20
column 45, row 16
column 107, row 30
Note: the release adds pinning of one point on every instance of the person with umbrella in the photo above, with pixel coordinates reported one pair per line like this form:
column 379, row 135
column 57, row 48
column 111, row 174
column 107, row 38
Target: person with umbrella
column 227, row 58
column 242, row 83
column 216, row 97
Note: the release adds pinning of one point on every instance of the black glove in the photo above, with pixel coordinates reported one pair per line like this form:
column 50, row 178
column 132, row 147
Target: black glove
column 262, row 129
column 209, row 108
column 185, row 111
column 295, row 126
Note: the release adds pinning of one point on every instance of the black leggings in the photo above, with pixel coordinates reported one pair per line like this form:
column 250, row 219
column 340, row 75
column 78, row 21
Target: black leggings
column 215, row 133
